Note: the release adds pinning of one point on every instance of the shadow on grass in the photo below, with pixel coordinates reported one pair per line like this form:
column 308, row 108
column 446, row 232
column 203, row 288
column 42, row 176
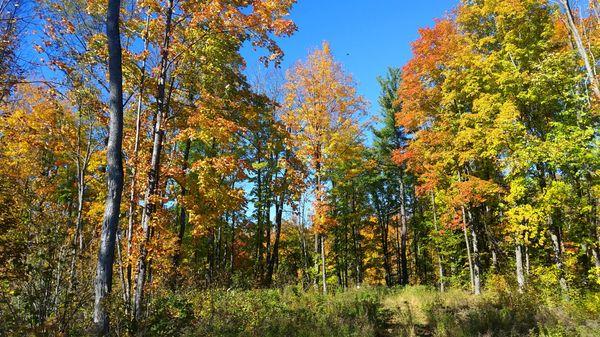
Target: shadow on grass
column 422, row 312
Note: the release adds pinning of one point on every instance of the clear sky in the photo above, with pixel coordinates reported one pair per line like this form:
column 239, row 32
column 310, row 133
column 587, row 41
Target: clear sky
column 366, row 36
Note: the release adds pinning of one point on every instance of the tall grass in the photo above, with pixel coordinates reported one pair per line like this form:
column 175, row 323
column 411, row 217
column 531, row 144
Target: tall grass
column 377, row 312
column 265, row 313
column 420, row 311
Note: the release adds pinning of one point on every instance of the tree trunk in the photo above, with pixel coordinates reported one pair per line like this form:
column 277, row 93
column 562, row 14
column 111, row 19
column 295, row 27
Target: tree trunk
column 356, row 246
column 103, row 283
column 403, row 234
column 182, row 211
column 268, row 225
column 440, row 261
column 134, row 167
column 82, row 165
column 384, row 224
column 596, row 256
column 303, row 244
column 527, row 260
column 154, row 174
column 476, row 262
column 555, row 235
column 467, row 243
column 259, row 225
column 274, row 259
column 323, row 270
column 596, row 235
column 232, row 248
column 519, row 265
column 589, row 67
column 398, row 255
column 318, row 196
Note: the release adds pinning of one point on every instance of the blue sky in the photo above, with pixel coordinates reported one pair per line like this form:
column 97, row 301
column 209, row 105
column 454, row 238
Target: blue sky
column 366, row 36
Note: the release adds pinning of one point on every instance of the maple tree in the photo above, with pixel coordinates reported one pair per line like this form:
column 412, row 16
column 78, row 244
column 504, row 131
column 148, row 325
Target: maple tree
column 322, row 111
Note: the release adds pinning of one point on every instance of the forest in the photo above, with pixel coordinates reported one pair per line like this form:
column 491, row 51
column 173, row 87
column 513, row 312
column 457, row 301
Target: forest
column 153, row 184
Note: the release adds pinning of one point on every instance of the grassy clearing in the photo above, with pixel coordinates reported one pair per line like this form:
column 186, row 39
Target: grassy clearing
column 419, row 311
column 378, row 312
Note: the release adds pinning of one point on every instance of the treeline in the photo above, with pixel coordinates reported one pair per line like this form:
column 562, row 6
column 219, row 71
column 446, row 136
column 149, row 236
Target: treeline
column 138, row 146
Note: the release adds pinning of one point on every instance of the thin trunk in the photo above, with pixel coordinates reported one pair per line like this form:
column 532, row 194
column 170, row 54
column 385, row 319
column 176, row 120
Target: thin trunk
column 527, row 260
column 357, row 266
column 596, row 234
column 581, row 50
column 218, row 247
column 317, row 250
column 132, row 191
column 345, row 256
column 323, row 271
column 274, row 260
column 404, row 234
column 182, row 210
column 476, row 262
column 154, row 174
column 259, row 225
column 114, row 175
column 398, row 258
column 519, row 266
column 355, row 245
column 440, row 261
column 121, row 271
column 268, row 222
column 555, row 235
column 77, row 245
column 384, row 223
column 232, row 247
column 211, row 256
column 467, row 243
column 268, row 233
column 596, row 255
column 304, row 245
column 318, row 236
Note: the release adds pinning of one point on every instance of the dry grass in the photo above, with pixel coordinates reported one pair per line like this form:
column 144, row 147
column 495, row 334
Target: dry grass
column 420, row 311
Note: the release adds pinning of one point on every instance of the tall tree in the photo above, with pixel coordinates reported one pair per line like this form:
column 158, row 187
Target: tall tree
column 322, row 110
column 394, row 191
column 583, row 52
column 114, row 171
column 10, row 26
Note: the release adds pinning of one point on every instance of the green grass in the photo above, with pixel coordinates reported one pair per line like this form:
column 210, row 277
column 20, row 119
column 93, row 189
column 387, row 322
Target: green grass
column 266, row 313
column 378, row 312
column 419, row 311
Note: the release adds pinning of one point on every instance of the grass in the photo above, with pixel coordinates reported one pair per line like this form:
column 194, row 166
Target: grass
column 419, row 311
column 370, row 312
column 266, row 313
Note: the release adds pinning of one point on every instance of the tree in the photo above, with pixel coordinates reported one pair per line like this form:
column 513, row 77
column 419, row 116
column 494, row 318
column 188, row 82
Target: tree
column 10, row 23
column 581, row 49
column 322, row 110
column 393, row 192
column 220, row 17
column 114, row 171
